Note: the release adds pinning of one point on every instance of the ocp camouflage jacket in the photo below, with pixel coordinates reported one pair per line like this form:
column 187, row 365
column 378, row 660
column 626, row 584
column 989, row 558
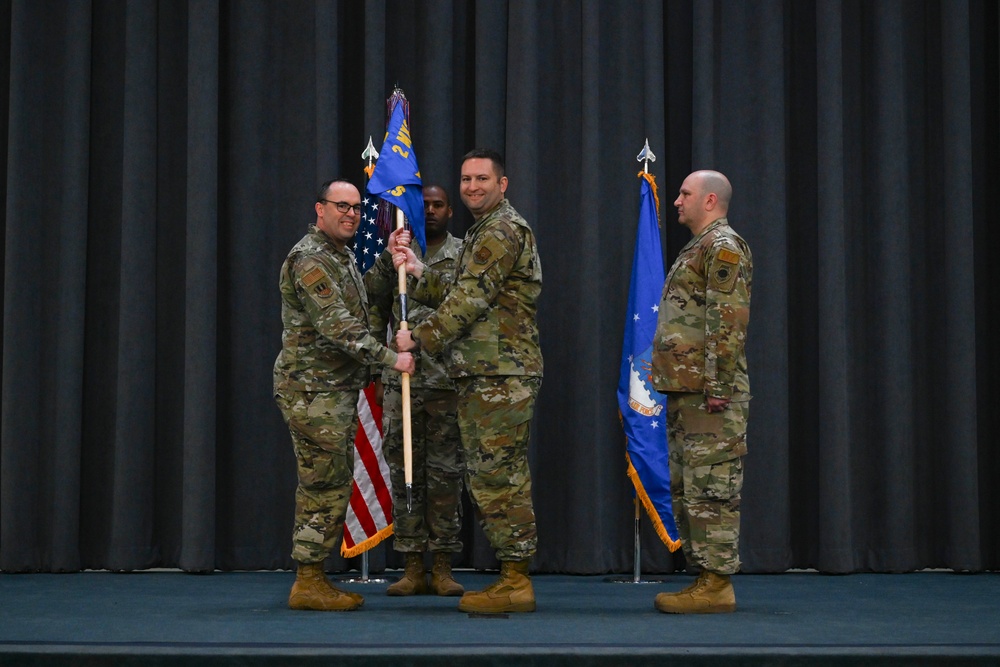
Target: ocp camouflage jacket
column 704, row 311
column 486, row 314
column 326, row 343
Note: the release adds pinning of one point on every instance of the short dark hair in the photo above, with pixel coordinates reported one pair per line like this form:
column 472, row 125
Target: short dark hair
column 325, row 187
column 487, row 154
column 447, row 197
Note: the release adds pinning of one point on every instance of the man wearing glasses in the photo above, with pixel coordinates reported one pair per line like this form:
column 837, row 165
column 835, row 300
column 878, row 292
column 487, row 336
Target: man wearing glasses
column 327, row 356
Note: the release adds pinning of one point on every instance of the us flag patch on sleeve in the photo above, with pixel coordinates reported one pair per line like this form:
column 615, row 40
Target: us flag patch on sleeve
column 312, row 276
column 728, row 256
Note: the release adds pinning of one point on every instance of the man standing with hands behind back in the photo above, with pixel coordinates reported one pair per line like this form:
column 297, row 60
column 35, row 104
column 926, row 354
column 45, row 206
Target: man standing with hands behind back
column 700, row 363
column 326, row 359
column 486, row 323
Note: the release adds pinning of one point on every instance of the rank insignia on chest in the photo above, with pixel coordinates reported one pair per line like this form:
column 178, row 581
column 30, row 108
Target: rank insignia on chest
column 482, row 255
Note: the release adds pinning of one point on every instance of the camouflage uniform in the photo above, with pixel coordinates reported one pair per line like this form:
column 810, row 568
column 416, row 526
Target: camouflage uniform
column 698, row 351
column 326, row 358
column 486, row 321
column 435, row 522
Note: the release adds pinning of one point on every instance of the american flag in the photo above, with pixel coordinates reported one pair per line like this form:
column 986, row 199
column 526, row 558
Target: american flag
column 368, row 241
column 369, row 514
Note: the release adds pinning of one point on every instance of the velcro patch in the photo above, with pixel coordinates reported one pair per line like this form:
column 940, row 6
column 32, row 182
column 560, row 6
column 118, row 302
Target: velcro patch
column 482, row 255
column 323, row 288
column 313, row 276
column 723, row 278
column 728, row 256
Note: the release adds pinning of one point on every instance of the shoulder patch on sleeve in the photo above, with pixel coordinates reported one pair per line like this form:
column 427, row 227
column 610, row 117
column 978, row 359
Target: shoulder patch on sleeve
column 310, row 278
column 728, row 256
column 723, row 275
column 482, row 255
column 317, row 282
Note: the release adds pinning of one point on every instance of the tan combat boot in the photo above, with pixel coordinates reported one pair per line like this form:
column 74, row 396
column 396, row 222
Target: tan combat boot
column 312, row 591
column 661, row 598
column 414, row 580
column 511, row 592
column 712, row 594
column 442, row 583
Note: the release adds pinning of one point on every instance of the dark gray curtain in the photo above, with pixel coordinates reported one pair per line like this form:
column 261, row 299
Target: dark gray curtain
column 161, row 158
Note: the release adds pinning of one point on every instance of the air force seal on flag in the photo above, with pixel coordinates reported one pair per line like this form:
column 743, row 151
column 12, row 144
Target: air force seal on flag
column 640, row 389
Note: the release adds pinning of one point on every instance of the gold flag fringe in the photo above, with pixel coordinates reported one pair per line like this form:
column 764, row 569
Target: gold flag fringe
column 367, row 544
column 656, row 195
column 661, row 530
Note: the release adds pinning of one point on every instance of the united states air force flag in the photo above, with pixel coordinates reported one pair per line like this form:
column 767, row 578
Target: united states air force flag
column 396, row 178
column 643, row 409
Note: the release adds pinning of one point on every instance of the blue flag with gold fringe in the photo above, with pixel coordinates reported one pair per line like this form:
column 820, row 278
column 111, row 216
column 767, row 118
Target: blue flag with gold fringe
column 396, row 178
column 643, row 409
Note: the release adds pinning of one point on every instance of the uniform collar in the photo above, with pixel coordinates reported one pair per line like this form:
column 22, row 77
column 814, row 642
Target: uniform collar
column 715, row 224
column 325, row 240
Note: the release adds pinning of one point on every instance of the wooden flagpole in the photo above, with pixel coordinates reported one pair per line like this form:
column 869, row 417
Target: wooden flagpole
column 405, row 377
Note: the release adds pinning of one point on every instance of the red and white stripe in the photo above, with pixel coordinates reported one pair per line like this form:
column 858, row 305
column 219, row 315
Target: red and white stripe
column 369, row 514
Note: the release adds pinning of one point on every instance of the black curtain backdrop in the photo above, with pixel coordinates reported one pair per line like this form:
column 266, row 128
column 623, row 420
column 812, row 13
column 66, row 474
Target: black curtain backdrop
column 162, row 157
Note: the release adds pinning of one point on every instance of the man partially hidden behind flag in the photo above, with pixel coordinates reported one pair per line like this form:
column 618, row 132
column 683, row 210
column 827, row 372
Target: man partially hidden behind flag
column 643, row 409
column 394, row 180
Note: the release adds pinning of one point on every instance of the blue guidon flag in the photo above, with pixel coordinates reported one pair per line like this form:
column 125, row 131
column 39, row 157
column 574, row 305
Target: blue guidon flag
column 396, row 178
column 643, row 409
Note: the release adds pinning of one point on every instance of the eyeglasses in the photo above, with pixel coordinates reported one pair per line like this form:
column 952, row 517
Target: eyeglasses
column 343, row 206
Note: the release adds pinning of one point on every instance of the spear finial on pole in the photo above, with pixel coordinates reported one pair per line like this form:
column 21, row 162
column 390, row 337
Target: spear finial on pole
column 370, row 154
column 646, row 156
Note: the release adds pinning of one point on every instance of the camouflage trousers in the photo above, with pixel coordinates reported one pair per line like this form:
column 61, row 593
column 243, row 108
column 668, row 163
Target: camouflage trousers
column 435, row 522
column 706, row 478
column 494, row 416
column 323, row 425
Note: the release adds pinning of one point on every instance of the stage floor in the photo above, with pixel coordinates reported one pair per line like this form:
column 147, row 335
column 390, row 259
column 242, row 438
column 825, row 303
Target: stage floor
column 172, row 618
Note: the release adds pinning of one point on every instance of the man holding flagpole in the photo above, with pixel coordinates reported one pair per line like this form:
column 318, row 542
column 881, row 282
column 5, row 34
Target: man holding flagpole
column 485, row 323
column 326, row 358
column 699, row 361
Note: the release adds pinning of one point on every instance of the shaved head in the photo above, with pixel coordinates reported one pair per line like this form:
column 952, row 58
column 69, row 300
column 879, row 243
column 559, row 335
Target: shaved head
column 704, row 197
column 713, row 182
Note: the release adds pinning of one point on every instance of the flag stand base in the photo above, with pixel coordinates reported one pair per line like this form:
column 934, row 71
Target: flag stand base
column 623, row 579
column 364, row 578
column 636, row 577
